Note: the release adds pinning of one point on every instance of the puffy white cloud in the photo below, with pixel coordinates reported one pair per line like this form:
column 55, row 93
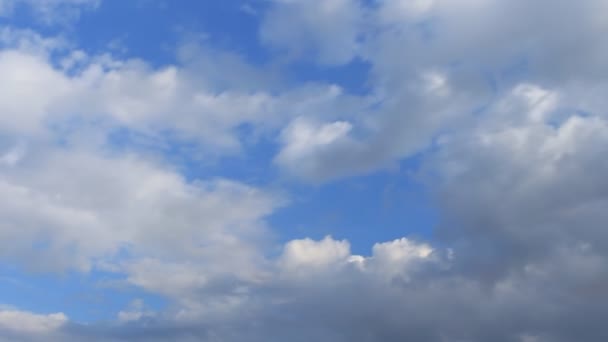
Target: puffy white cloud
column 400, row 250
column 304, row 254
column 31, row 87
column 204, row 99
column 84, row 207
column 20, row 325
column 396, row 124
column 309, row 145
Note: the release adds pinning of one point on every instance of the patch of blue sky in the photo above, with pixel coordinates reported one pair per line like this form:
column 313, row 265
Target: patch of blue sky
column 388, row 205
column 352, row 77
column 84, row 297
column 151, row 29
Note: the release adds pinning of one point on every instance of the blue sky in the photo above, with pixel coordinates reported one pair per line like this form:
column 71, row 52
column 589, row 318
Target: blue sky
column 331, row 170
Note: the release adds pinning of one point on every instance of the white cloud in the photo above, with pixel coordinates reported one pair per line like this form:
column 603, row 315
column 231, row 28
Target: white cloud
column 23, row 323
column 402, row 122
column 306, row 143
column 400, row 251
column 202, row 100
column 325, row 30
column 31, row 88
column 433, row 64
column 86, row 207
column 305, row 254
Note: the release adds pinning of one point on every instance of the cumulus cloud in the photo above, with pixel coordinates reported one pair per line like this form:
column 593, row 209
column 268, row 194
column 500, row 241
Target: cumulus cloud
column 434, row 64
column 251, row 311
column 301, row 254
column 306, row 143
column 84, row 208
column 400, row 123
column 49, row 83
column 523, row 186
column 17, row 325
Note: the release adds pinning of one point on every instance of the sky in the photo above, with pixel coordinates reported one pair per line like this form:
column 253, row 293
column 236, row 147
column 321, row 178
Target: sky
column 303, row 170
